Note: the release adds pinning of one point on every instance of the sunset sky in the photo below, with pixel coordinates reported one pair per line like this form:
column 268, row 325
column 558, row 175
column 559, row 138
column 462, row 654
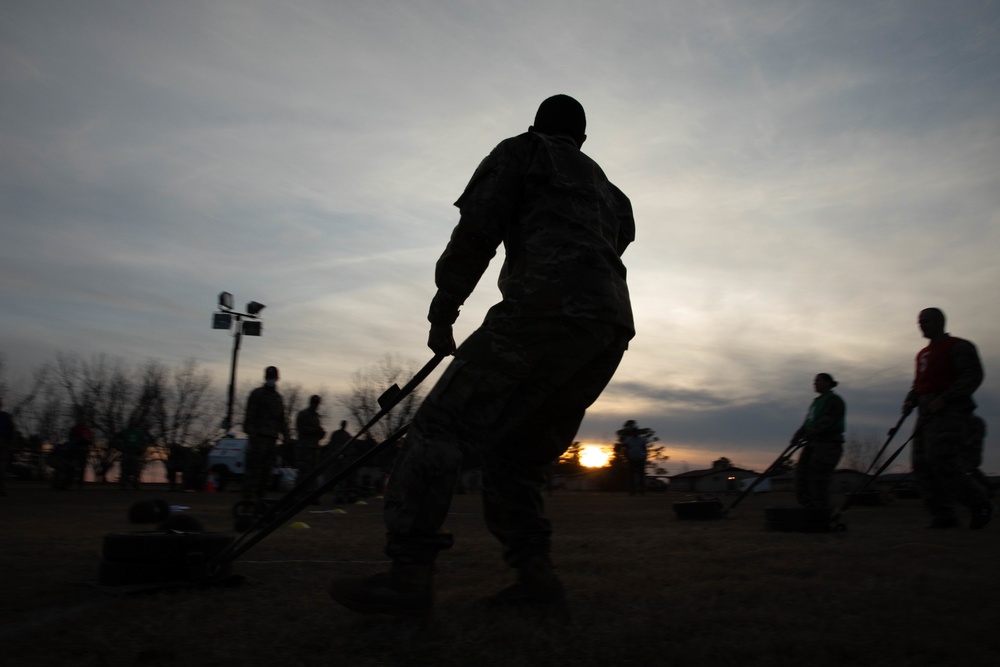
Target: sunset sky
column 806, row 176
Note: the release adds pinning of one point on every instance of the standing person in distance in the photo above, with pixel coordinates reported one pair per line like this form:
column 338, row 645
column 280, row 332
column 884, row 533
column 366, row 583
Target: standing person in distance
column 519, row 386
column 309, row 431
column 822, row 438
column 948, row 372
column 263, row 422
column 636, row 452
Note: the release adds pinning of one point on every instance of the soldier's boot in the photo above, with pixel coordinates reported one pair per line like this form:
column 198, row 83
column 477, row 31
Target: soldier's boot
column 405, row 589
column 536, row 585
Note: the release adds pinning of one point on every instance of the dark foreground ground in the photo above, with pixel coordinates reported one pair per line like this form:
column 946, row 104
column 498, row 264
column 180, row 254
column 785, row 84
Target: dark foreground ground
column 645, row 589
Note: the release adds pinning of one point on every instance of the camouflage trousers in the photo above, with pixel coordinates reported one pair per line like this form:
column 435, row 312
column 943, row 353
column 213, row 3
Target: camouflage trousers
column 130, row 469
column 947, row 451
column 814, row 470
column 512, row 401
column 637, row 476
column 306, row 459
column 261, row 457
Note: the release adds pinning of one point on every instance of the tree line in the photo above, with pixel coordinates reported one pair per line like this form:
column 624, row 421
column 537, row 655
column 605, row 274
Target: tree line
column 176, row 405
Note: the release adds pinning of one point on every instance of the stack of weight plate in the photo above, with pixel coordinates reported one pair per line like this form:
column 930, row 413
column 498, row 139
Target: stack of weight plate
column 158, row 557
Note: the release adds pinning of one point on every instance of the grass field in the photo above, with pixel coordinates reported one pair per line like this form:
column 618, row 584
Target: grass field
column 645, row 589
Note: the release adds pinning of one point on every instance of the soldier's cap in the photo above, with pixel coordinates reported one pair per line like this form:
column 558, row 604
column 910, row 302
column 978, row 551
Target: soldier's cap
column 271, row 372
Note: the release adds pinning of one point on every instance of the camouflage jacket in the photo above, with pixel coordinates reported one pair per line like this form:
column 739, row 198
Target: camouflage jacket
column 949, row 369
column 563, row 225
column 308, row 427
column 265, row 414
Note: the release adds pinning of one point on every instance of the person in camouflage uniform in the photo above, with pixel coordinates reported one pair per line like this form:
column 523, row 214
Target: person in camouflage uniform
column 948, row 434
column 309, row 430
column 822, row 433
column 263, row 422
column 132, row 443
column 518, row 388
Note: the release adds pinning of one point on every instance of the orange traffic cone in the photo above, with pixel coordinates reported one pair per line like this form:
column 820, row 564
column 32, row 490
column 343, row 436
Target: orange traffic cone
column 210, row 483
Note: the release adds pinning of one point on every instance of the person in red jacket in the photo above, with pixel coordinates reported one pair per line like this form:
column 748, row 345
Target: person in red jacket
column 948, row 371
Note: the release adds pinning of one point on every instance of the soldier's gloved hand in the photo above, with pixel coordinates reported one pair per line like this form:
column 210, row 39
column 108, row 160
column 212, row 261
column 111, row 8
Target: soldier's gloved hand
column 441, row 340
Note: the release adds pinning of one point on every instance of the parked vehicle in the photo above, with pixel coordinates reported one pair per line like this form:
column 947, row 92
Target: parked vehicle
column 227, row 461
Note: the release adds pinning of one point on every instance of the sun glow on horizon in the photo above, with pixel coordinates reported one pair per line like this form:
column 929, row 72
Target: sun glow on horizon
column 594, row 456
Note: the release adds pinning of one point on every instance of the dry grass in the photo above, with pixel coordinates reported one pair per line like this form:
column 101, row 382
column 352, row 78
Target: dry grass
column 645, row 589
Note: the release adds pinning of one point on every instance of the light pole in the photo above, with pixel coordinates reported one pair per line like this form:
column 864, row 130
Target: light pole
column 224, row 320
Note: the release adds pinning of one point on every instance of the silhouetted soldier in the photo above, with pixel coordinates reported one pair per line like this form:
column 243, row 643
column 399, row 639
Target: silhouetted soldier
column 176, row 456
column 636, row 452
column 263, row 422
column 132, row 444
column 81, row 439
column 822, row 433
column 948, row 372
column 310, row 431
column 519, row 386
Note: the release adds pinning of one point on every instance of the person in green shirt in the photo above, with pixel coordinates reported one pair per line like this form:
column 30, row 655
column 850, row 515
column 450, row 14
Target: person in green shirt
column 132, row 444
column 822, row 438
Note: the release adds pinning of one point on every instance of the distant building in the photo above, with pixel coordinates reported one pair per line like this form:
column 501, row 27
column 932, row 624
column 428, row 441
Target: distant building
column 720, row 478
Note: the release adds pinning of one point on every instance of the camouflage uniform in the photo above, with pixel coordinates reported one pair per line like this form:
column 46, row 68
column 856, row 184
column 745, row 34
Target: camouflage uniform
column 519, row 386
column 309, row 431
column 132, row 444
column 824, row 431
column 947, row 443
column 263, row 423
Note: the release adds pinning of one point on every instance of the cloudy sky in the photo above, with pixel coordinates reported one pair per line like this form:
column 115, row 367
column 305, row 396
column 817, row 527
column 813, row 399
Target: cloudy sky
column 806, row 176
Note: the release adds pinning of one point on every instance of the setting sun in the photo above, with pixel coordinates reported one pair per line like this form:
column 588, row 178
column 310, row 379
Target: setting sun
column 593, row 456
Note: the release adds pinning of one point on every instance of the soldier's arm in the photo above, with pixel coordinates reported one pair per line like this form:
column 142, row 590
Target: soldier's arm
column 489, row 203
column 969, row 369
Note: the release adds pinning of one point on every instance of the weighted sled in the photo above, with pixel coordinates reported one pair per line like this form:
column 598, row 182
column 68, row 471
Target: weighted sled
column 163, row 547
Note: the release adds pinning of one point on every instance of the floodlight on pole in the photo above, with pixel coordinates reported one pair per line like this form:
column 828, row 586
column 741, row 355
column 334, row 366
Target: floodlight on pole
column 224, row 320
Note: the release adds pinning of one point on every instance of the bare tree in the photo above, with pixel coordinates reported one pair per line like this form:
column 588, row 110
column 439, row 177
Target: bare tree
column 36, row 409
column 368, row 384
column 292, row 394
column 189, row 409
column 102, row 391
column 860, row 450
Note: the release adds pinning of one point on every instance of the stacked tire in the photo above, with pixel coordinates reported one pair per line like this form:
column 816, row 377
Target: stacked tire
column 159, row 557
